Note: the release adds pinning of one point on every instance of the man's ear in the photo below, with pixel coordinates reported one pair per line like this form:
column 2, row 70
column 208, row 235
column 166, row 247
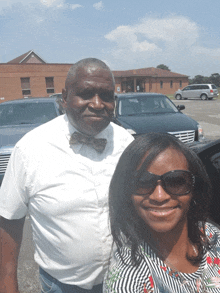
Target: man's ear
column 64, row 96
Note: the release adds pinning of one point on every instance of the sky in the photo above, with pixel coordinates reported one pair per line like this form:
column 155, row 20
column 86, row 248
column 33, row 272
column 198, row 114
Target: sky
column 183, row 35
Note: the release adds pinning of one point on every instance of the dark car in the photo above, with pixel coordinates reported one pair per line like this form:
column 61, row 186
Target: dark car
column 209, row 153
column 19, row 117
column 140, row 113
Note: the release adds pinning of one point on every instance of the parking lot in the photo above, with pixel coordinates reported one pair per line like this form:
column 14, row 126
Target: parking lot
column 207, row 113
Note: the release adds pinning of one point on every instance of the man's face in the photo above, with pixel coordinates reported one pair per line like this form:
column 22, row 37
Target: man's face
column 89, row 99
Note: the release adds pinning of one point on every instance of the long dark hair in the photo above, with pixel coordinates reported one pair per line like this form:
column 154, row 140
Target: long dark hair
column 126, row 225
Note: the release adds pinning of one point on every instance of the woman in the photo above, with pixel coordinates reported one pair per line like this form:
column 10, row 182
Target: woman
column 159, row 202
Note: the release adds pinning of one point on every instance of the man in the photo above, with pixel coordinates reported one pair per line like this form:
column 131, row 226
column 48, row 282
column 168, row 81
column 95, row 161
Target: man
column 60, row 175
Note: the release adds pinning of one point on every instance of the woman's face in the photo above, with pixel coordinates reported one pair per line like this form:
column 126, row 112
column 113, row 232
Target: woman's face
column 161, row 211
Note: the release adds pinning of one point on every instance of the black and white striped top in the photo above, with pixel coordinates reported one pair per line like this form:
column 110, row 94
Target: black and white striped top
column 153, row 275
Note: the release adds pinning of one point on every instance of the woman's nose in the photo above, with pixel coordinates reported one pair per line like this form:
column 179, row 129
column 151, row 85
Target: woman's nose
column 159, row 194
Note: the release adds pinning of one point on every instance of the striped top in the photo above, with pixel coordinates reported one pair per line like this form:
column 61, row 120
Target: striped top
column 153, row 275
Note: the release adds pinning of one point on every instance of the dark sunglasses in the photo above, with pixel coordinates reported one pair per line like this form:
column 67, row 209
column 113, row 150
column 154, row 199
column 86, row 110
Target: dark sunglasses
column 177, row 182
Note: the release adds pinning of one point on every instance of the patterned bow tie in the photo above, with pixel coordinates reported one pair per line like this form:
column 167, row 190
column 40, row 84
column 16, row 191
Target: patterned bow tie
column 97, row 143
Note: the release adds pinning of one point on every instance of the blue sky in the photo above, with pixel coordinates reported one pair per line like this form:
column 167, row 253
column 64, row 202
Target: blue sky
column 184, row 35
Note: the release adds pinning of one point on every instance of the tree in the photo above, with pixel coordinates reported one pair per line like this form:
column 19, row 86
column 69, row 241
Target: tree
column 162, row 66
column 215, row 78
column 198, row 79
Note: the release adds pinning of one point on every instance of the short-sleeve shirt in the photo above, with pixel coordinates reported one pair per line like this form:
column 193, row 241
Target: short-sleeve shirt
column 64, row 188
column 153, row 275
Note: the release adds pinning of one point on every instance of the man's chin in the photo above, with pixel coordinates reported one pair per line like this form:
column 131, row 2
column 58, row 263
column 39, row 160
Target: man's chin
column 95, row 127
column 90, row 125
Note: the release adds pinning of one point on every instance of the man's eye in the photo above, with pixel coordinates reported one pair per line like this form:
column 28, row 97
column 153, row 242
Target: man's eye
column 86, row 95
column 107, row 97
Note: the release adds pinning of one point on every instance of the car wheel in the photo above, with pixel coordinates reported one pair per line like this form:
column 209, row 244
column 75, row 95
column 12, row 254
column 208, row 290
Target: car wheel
column 203, row 97
column 178, row 97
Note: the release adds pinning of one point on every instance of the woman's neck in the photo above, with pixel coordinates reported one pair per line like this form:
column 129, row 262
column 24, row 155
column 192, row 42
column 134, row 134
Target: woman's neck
column 173, row 247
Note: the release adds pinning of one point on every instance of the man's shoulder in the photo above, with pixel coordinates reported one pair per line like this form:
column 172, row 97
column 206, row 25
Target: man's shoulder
column 120, row 132
column 43, row 133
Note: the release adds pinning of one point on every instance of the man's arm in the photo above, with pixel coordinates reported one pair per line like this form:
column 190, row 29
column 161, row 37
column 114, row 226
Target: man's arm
column 10, row 242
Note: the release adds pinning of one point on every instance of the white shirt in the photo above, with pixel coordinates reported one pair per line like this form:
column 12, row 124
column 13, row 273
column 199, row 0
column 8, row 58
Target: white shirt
column 65, row 190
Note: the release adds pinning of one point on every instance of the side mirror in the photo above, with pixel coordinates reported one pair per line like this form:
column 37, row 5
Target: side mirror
column 181, row 107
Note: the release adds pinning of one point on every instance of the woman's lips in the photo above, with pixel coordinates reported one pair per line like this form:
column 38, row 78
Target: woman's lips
column 161, row 212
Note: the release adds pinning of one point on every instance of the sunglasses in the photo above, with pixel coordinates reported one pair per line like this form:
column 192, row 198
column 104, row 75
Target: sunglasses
column 177, row 182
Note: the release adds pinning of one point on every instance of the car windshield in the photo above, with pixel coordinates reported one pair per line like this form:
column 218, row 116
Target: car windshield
column 136, row 106
column 26, row 113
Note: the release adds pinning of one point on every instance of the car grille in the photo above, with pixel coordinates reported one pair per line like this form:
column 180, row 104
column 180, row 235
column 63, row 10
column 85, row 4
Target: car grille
column 4, row 158
column 185, row 136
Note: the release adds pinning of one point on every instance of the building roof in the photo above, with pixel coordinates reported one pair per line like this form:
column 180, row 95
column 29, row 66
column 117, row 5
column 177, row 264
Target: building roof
column 150, row 71
column 26, row 56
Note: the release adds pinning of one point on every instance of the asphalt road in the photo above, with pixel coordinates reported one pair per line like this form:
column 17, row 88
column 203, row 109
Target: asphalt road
column 207, row 113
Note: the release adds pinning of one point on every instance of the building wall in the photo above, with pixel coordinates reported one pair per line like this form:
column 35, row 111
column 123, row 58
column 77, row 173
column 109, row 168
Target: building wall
column 11, row 74
column 166, row 84
column 33, row 59
column 153, row 84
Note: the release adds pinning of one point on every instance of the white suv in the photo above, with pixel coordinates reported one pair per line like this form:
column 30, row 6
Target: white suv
column 197, row 91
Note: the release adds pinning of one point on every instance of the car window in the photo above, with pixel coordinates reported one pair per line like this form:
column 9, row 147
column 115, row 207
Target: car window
column 204, row 87
column 145, row 105
column 26, row 113
column 187, row 88
column 214, row 87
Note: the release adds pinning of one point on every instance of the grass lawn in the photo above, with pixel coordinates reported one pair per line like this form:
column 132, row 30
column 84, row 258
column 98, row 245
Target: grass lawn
column 170, row 97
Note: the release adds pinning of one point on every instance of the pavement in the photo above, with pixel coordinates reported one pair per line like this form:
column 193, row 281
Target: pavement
column 207, row 113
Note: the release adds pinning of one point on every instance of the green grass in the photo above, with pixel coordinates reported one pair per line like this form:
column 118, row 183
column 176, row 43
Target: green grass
column 170, row 97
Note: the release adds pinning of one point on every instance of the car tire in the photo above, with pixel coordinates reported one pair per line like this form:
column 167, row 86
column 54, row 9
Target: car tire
column 178, row 97
column 203, row 97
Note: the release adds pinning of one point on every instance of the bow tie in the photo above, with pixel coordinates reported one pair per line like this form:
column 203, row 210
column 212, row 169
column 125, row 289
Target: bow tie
column 97, row 143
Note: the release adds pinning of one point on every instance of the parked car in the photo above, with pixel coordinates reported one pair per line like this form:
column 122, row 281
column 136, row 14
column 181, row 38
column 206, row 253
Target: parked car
column 197, row 91
column 59, row 99
column 19, row 117
column 140, row 113
column 209, row 153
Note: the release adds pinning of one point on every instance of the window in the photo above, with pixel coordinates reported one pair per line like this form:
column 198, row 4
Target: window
column 161, row 84
column 171, row 84
column 180, row 83
column 25, row 86
column 187, row 88
column 49, row 85
column 204, row 87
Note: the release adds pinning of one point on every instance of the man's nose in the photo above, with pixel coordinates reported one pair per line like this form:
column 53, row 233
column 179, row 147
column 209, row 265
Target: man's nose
column 96, row 102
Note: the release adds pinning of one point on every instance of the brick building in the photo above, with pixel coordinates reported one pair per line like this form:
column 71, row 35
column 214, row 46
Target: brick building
column 30, row 76
column 151, row 79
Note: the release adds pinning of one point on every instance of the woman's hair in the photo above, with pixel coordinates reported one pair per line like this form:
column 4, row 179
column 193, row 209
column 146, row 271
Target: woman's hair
column 126, row 225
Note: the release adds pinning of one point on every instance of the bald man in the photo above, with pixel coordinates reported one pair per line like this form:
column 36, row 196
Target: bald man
column 59, row 173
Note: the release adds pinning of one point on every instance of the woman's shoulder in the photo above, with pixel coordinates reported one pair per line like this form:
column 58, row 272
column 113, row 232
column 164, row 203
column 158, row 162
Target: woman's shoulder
column 212, row 231
column 124, row 276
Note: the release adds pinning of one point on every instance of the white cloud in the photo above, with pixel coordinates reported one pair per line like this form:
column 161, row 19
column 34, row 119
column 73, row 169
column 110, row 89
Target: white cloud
column 174, row 41
column 75, row 6
column 61, row 4
column 4, row 4
column 57, row 4
column 52, row 3
column 98, row 5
